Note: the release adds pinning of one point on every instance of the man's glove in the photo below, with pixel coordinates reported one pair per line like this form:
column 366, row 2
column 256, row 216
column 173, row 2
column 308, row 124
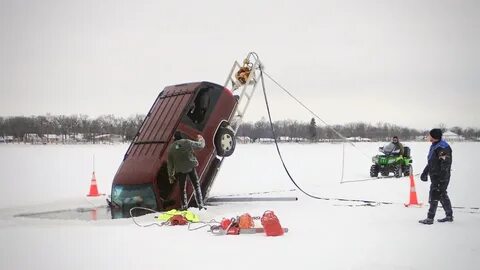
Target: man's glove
column 171, row 179
column 424, row 177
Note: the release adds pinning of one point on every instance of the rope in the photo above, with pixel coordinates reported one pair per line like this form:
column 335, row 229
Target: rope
column 254, row 193
column 283, row 162
column 312, row 112
column 276, row 143
column 321, row 120
column 372, row 179
column 205, row 224
column 148, row 225
column 343, row 162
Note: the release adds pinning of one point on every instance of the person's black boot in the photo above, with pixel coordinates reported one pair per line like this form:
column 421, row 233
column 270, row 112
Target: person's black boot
column 427, row 221
column 446, row 219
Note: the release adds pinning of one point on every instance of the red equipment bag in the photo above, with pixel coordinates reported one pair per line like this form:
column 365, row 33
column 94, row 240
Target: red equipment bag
column 225, row 223
column 230, row 226
column 178, row 220
column 245, row 221
column 271, row 224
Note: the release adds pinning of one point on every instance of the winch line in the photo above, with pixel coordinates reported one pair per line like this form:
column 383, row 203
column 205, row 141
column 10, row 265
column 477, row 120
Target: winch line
column 312, row 112
column 376, row 178
column 345, row 140
column 276, row 143
column 144, row 225
column 317, row 197
column 281, row 157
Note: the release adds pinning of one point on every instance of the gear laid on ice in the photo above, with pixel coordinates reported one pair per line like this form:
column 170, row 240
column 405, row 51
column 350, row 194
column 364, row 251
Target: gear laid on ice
column 244, row 224
column 188, row 215
column 178, row 220
column 220, row 231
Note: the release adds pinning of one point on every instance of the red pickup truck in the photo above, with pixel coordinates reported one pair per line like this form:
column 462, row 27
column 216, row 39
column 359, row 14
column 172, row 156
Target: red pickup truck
column 193, row 108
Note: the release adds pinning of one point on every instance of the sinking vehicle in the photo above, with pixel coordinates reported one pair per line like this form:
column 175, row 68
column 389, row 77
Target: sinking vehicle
column 204, row 108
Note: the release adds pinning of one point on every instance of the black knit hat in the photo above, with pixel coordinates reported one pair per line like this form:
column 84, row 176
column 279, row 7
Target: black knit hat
column 436, row 133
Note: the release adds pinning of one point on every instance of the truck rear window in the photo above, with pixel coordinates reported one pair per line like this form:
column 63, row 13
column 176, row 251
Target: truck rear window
column 134, row 195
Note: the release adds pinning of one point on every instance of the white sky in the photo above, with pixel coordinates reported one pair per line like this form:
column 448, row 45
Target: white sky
column 413, row 63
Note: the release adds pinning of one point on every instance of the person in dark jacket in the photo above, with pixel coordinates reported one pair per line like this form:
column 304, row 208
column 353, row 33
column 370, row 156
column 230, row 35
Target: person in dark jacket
column 398, row 145
column 438, row 168
column 181, row 163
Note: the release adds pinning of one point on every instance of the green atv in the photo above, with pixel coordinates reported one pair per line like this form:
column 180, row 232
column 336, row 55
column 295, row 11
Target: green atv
column 391, row 161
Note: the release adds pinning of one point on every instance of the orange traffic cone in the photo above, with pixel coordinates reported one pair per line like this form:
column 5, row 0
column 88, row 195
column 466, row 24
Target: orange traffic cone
column 93, row 187
column 413, row 193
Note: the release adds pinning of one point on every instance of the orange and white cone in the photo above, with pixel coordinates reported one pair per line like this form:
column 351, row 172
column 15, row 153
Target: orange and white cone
column 93, row 187
column 413, row 193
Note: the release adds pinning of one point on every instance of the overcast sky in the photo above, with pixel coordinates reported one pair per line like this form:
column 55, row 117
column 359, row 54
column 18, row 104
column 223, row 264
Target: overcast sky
column 412, row 63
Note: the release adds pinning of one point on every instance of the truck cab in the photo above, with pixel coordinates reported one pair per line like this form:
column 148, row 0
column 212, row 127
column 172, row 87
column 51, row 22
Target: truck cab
column 193, row 108
column 200, row 108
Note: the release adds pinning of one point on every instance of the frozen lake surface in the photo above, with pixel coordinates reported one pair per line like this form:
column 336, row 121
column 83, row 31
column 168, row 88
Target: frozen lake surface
column 322, row 234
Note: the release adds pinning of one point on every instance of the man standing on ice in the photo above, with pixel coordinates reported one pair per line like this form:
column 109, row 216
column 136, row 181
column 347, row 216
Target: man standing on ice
column 438, row 168
column 182, row 162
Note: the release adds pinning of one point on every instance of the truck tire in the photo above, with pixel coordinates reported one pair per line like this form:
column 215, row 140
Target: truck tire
column 225, row 142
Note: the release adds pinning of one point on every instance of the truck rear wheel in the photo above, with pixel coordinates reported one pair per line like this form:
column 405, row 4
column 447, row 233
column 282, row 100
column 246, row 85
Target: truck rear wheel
column 225, row 142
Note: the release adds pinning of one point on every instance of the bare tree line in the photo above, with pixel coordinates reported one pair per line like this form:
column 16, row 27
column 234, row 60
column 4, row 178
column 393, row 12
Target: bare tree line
column 67, row 126
column 311, row 131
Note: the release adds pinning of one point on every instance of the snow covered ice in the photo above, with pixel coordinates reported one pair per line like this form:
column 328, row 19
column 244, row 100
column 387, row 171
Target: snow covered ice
column 322, row 234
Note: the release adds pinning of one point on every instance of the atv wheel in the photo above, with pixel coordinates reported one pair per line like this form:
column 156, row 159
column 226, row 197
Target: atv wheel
column 397, row 171
column 407, row 170
column 374, row 170
column 225, row 142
